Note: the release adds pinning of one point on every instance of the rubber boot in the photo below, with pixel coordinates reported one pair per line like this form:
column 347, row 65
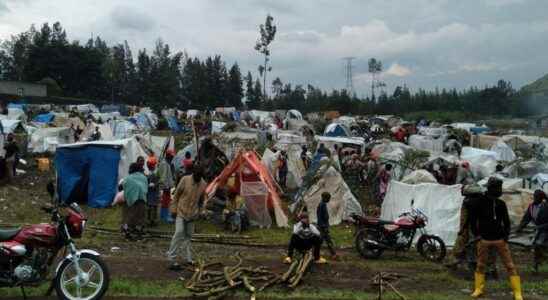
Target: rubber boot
column 479, row 285
column 515, row 283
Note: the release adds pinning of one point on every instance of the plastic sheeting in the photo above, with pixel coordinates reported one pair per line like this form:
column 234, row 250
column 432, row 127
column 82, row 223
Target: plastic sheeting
column 336, row 130
column 419, row 176
column 44, row 118
column 122, row 129
column 96, row 163
column 217, row 127
column 9, row 126
column 426, row 143
column 482, row 162
column 342, row 204
column 294, row 114
column 503, row 151
column 440, row 203
column 295, row 166
column 47, row 139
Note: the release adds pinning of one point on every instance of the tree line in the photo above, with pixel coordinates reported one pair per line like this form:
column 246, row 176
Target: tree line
column 164, row 78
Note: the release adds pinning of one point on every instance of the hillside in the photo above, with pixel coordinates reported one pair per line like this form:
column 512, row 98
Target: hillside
column 538, row 86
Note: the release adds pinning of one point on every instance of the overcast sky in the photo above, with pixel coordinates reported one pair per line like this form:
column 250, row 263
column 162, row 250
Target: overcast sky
column 422, row 43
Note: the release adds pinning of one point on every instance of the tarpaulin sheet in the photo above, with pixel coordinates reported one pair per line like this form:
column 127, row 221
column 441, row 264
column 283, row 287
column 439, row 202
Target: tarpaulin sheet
column 101, row 165
column 44, row 118
column 440, row 203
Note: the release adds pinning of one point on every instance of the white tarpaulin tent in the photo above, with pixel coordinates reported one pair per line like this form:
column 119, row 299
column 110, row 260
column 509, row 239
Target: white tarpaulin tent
column 217, row 127
column 440, row 203
column 426, row 143
column 342, row 204
column 295, row 166
column 294, row 114
column 47, row 139
column 419, row 176
column 503, row 151
column 482, row 162
column 9, row 125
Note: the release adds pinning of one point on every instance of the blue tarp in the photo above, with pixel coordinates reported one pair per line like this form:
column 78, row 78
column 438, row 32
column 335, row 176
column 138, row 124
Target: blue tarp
column 18, row 105
column 479, row 130
column 44, row 118
column 96, row 164
column 173, row 124
column 336, row 130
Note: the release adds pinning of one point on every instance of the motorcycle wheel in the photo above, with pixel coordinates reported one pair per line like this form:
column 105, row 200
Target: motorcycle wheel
column 431, row 248
column 365, row 249
column 96, row 279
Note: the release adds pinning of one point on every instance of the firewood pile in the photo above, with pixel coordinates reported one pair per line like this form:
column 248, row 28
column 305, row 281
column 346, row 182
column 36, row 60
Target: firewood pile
column 215, row 280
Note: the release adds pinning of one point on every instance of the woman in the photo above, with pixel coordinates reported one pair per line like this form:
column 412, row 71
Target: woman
column 135, row 194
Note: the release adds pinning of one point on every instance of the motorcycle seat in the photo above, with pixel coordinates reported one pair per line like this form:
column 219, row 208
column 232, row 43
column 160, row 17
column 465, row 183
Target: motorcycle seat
column 378, row 221
column 8, row 234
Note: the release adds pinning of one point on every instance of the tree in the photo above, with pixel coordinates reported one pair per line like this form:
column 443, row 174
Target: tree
column 257, row 91
column 234, row 90
column 375, row 68
column 250, row 92
column 267, row 32
column 277, row 86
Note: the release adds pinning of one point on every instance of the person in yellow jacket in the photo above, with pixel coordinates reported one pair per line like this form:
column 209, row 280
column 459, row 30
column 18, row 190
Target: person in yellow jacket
column 490, row 222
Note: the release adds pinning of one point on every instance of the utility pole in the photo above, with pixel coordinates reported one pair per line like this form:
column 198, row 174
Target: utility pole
column 348, row 75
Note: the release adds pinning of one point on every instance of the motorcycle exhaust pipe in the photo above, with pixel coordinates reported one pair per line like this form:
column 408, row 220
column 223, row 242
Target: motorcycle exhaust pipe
column 377, row 244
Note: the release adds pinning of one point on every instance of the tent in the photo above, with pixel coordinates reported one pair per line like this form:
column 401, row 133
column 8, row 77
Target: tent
column 44, row 118
column 254, row 182
column 145, row 120
column 482, row 162
column 9, row 126
column 294, row 114
column 440, row 203
column 419, row 176
column 503, row 151
column 104, row 129
column 173, row 124
column 295, row 166
column 122, row 129
column 426, row 143
column 48, row 139
column 343, row 203
column 337, row 130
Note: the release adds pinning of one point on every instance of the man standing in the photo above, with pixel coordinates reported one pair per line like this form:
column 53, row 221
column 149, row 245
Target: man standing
column 166, row 182
column 491, row 223
column 537, row 212
column 11, row 156
column 185, row 208
column 282, row 169
column 322, row 215
column 153, row 192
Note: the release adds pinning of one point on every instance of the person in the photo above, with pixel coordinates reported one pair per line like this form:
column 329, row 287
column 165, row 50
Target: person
column 185, row 208
column 166, row 182
column 305, row 236
column 77, row 133
column 96, row 136
column 322, row 214
column 472, row 193
column 322, row 150
column 235, row 212
column 187, row 164
column 11, row 156
column 135, row 189
column 153, row 192
column 304, row 157
column 537, row 212
column 282, row 169
column 384, row 178
column 491, row 224
column 141, row 162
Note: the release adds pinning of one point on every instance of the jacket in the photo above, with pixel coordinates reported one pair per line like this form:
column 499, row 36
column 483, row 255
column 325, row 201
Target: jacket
column 305, row 232
column 165, row 173
column 153, row 193
column 489, row 219
column 188, row 198
column 322, row 215
column 538, row 214
column 135, row 188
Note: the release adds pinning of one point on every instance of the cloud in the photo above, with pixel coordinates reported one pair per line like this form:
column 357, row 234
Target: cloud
column 3, row 8
column 398, row 71
column 129, row 18
column 499, row 3
column 480, row 67
column 304, row 36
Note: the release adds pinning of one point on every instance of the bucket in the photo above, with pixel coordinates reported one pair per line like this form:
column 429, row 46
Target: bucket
column 43, row 164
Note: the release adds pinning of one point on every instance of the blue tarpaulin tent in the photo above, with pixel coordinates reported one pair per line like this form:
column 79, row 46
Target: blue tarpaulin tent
column 173, row 124
column 336, row 130
column 44, row 118
column 87, row 173
column 19, row 105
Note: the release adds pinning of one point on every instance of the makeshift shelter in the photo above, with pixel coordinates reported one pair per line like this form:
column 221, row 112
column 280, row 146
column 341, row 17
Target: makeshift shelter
column 296, row 170
column 254, row 182
column 482, row 162
column 145, row 120
column 173, row 124
column 503, row 151
column 61, row 121
column 426, row 143
column 44, row 118
column 337, row 130
column 419, row 176
column 91, row 171
column 122, row 129
column 48, row 139
column 343, row 203
column 540, row 181
column 293, row 114
column 9, row 126
column 440, row 203
column 526, row 169
column 104, row 129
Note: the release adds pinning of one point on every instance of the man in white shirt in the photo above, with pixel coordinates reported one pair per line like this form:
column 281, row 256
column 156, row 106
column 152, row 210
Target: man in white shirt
column 305, row 236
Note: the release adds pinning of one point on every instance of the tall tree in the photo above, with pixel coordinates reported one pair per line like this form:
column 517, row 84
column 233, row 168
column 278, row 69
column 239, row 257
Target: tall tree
column 267, row 33
column 234, row 90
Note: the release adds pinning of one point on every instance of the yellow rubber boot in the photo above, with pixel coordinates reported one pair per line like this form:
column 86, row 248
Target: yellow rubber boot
column 479, row 285
column 515, row 283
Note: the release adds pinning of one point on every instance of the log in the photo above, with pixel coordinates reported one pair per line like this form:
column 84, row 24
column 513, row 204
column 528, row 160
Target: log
column 286, row 275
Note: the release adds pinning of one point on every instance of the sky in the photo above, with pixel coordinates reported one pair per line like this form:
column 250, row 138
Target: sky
column 421, row 43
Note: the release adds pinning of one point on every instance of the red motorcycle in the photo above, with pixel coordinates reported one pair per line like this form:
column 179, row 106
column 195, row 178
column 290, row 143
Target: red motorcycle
column 374, row 236
column 27, row 255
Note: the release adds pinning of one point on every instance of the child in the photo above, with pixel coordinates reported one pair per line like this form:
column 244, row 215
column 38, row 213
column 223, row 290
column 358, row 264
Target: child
column 322, row 215
column 153, row 192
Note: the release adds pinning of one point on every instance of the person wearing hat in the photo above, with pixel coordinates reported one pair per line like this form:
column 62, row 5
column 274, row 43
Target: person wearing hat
column 166, row 181
column 537, row 212
column 322, row 214
column 491, row 224
column 153, row 192
column 305, row 236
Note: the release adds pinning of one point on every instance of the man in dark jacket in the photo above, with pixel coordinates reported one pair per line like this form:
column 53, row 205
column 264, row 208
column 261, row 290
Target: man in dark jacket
column 322, row 215
column 491, row 223
column 537, row 212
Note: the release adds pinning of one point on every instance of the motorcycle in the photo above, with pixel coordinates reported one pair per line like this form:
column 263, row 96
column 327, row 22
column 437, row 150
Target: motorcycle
column 374, row 236
column 27, row 255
